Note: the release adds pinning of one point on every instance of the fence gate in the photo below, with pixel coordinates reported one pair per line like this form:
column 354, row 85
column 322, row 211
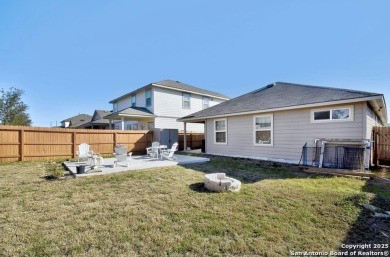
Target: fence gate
column 381, row 146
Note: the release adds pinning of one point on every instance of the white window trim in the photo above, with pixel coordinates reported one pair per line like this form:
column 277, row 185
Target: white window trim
column 215, row 132
column 189, row 101
column 272, row 130
column 351, row 114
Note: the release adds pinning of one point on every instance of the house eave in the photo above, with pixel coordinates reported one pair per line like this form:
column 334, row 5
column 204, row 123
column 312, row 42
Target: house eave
column 379, row 107
column 354, row 100
column 189, row 91
column 166, row 87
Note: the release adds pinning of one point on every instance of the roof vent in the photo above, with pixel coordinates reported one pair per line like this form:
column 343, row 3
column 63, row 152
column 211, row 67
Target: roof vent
column 263, row 88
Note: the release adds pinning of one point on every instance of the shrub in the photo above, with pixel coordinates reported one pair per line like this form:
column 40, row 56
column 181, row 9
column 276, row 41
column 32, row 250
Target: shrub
column 54, row 170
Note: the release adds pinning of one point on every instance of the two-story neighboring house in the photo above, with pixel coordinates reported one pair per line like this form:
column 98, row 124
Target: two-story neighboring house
column 160, row 104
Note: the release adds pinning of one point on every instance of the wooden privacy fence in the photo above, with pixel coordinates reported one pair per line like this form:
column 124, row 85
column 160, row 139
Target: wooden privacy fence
column 381, row 145
column 194, row 140
column 19, row 143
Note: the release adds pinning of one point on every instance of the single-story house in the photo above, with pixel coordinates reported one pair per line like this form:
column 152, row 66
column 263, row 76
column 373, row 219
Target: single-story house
column 97, row 120
column 77, row 121
column 86, row 121
column 276, row 121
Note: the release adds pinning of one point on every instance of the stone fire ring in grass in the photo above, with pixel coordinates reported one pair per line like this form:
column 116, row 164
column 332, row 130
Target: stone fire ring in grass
column 218, row 182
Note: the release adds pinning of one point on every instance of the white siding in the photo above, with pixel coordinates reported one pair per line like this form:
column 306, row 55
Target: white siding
column 168, row 107
column 140, row 101
column 171, row 123
column 124, row 103
column 372, row 121
column 292, row 129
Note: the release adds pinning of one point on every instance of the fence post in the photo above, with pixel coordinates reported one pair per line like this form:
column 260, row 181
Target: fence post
column 21, row 144
column 115, row 140
column 74, row 146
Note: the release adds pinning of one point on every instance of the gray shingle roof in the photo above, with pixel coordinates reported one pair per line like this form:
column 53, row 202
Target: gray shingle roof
column 279, row 95
column 131, row 111
column 101, row 113
column 185, row 87
column 78, row 120
column 176, row 85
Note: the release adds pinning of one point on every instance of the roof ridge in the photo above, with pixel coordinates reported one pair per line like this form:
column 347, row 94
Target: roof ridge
column 324, row 87
column 281, row 95
column 196, row 88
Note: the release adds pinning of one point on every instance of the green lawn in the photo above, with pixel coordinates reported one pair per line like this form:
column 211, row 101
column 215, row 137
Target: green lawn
column 166, row 211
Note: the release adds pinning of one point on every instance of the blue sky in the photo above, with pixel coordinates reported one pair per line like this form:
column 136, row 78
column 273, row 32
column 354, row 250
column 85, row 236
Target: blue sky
column 73, row 57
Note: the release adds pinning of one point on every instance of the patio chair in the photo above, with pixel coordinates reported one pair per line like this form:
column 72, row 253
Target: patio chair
column 121, row 155
column 168, row 154
column 83, row 152
column 153, row 151
column 96, row 159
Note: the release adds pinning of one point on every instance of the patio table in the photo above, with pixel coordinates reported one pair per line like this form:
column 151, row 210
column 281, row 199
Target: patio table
column 159, row 149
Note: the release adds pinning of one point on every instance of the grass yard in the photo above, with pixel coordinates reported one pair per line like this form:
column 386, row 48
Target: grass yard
column 166, row 211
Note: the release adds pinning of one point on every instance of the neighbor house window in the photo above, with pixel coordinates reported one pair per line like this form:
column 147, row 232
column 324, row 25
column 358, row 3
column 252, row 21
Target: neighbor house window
column 186, row 100
column 115, row 107
column 220, row 130
column 128, row 127
column 263, row 129
column 150, row 125
column 133, row 101
column 135, row 126
column 206, row 102
column 148, row 96
column 333, row 114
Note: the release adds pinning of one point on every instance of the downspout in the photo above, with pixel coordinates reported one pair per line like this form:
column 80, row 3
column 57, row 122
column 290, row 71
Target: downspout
column 322, row 153
column 367, row 154
column 185, row 137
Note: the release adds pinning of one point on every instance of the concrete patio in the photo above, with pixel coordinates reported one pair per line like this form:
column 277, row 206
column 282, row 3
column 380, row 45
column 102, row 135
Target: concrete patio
column 136, row 163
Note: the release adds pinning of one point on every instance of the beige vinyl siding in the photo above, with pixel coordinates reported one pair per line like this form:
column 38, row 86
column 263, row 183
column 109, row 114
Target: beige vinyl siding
column 292, row 129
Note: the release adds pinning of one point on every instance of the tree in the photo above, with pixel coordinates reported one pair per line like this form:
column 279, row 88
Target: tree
column 12, row 109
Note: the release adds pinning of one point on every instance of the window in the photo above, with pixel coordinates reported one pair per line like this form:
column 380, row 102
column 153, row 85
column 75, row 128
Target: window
column 148, row 96
column 186, row 101
column 150, row 125
column 206, row 102
column 128, row 127
column 135, row 126
column 133, row 101
column 263, row 130
column 336, row 114
column 115, row 107
column 220, row 130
